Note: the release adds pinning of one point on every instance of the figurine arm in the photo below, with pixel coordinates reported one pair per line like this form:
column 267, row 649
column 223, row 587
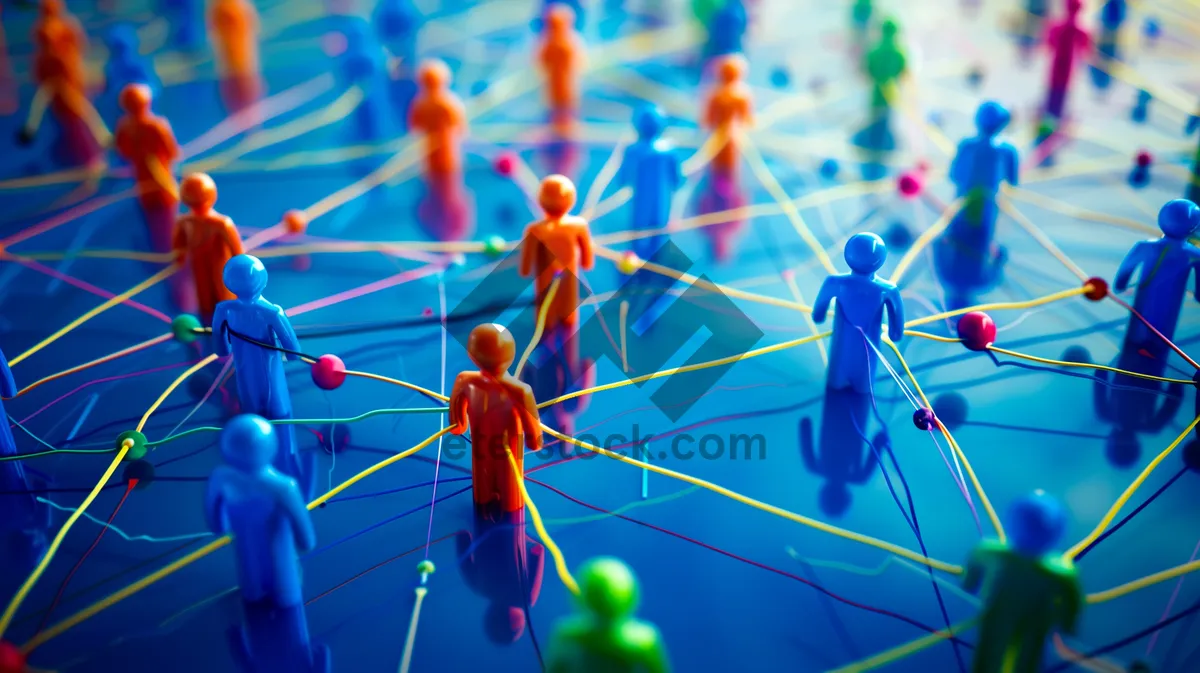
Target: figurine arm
column 677, row 176
column 1129, row 265
column 179, row 242
column 214, row 502
column 8, row 385
column 825, row 296
column 1071, row 602
column 458, row 404
column 807, row 452
column 655, row 656
column 232, row 239
column 1012, row 166
column 302, row 525
column 528, row 252
column 220, row 332
column 973, row 575
column 587, row 253
column 1195, row 270
column 531, row 421
column 895, row 314
column 282, row 328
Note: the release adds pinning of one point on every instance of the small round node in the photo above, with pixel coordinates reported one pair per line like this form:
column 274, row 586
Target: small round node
column 1143, row 158
column 950, row 410
column 924, row 419
column 426, row 567
column 780, row 77
column 977, row 330
column 1151, row 28
column 975, row 75
column 329, row 372
column 137, row 446
column 898, row 236
column 1191, row 455
column 334, row 438
column 910, row 184
column 493, row 246
column 1097, row 288
column 478, row 87
column 185, row 327
column 629, row 263
column 295, row 221
column 12, row 660
column 505, row 164
column 1077, row 354
column 141, row 472
column 427, row 312
column 829, row 169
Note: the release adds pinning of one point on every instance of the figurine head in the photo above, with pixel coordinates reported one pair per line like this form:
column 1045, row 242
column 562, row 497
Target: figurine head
column 888, row 29
column 121, row 41
column 556, row 195
column 607, row 589
column 731, row 68
column 135, row 99
column 1178, row 218
column 51, row 8
column 198, row 192
column 560, row 19
column 492, row 348
column 865, row 253
column 991, row 118
column 245, row 276
column 1074, row 7
column 434, row 75
column 834, row 498
column 1036, row 523
column 649, row 121
column 503, row 624
column 248, row 443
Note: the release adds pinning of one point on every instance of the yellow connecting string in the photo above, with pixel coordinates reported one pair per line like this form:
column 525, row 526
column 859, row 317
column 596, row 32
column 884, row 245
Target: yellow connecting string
column 1086, row 365
column 1041, row 237
column 560, row 563
column 171, row 388
column 543, row 311
column 924, row 240
column 1001, row 306
column 1149, row 580
column 907, row 649
column 1071, row 553
column 770, row 509
column 98, row 361
column 398, row 382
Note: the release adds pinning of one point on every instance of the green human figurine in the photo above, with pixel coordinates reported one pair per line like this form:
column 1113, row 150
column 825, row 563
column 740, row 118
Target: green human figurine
column 1030, row 591
column 860, row 13
column 704, row 10
column 885, row 64
column 604, row 636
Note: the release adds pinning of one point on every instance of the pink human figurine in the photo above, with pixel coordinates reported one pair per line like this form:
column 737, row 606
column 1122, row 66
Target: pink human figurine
column 1067, row 41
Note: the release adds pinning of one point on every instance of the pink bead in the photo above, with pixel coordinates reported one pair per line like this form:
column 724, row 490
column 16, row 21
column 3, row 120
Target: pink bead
column 1144, row 158
column 505, row 164
column 910, row 184
column 426, row 312
column 329, row 372
column 977, row 330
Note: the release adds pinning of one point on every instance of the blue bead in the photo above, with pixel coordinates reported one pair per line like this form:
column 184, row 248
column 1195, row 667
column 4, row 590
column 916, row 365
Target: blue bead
column 862, row 300
column 1151, row 28
column 1036, row 523
column 780, row 77
column 898, row 236
column 263, row 511
column 829, row 168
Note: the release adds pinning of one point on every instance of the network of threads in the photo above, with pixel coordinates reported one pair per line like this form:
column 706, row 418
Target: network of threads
column 976, row 331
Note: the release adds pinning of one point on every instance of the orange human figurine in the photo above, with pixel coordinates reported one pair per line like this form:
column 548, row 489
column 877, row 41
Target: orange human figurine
column 233, row 26
column 59, row 71
column 502, row 415
column 207, row 240
column 558, row 245
column 561, row 59
column 439, row 114
column 729, row 106
column 146, row 141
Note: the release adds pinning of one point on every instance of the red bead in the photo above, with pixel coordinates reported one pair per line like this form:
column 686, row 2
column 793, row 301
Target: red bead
column 1096, row 289
column 977, row 330
column 329, row 372
column 426, row 312
column 910, row 184
column 1144, row 158
column 11, row 658
column 506, row 164
column 295, row 221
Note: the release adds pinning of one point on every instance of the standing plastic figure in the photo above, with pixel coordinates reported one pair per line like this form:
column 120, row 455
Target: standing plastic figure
column 253, row 330
column 1193, row 188
column 727, row 29
column 126, row 65
column 187, row 22
column 860, row 14
column 439, row 114
column 146, row 141
column 1035, row 21
column 1165, row 265
column 233, row 30
column 363, row 65
column 25, row 520
column 604, row 635
column 1028, row 592
column 886, row 63
column 207, row 240
column 1108, row 47
column 1068, row 41
column 729, row 107
column 502, row 416
column 652, row 170
column 981, row 165
column 397, row 23
column 263, row 510
column 60, row 73
column 561, row 58
column 558, row 245
column 862, row 299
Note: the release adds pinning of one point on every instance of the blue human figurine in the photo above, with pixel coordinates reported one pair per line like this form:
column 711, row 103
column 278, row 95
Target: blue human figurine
column 862, row 300
column 1163, row 267
column 604, row 636
column 651, row 168
column 397, row 24
column 253, row 330
column 125, row 66
column 24, row 521
column 1193, row 188
column 1112, row 16
column 264, row 512
column 1028, row 591
column 727, row 28
column 841, row 455
column 364, row 65
column 187, row 22
column 981, row 165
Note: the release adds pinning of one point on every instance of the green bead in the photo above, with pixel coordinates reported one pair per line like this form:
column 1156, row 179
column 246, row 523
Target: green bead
column 137, row 449
column 185, row 327
column 494, row 246
column 425, row 567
